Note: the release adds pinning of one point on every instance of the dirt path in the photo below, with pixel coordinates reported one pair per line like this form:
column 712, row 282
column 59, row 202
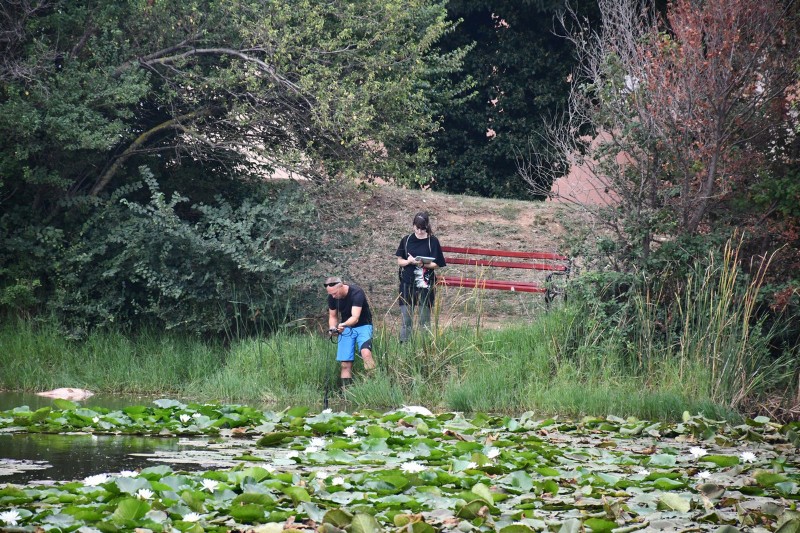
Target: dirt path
column 386, row 213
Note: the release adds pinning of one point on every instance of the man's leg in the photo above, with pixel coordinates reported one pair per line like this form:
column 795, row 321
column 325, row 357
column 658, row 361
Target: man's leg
column 369, row 362
column 364, row 334
column 345, row 354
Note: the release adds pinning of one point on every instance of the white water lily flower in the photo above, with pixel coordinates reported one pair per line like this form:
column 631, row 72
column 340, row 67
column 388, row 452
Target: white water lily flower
column 185, row 418
column 269, row 468
column 210, row 484
column 144, row 494
column 643, row 472
column 492, row 453
column 705, row 474
column 291, row 454
column 349, row 431
column 96, row 419
column 10, row 517
column 312, row 449
column 191, row 517
column 93, row 481
column 471, row 465
column 327, row 411
column 338, row 480
column 196, row 415
column 318, row 442
column 697, row 452
column 748, row 457
column 128, row 473
column 412, row 467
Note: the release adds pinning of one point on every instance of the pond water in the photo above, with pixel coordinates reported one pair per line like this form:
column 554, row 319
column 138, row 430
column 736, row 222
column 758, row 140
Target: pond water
column 10, row 400
column 28, row 457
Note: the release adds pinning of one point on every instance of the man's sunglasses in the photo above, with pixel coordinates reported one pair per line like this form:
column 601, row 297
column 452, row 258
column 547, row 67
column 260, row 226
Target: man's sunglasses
column 335, row 283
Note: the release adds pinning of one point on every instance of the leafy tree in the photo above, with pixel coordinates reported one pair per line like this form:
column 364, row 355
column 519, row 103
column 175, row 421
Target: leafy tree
column 519, row 68
column 204, row 97
column 682, row 108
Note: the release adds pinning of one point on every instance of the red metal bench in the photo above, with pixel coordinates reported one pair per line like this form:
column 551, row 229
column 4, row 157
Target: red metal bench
column 556, row 264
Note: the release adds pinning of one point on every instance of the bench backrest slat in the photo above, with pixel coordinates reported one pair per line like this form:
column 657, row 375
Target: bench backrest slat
column 506, row 264
column 505, row 253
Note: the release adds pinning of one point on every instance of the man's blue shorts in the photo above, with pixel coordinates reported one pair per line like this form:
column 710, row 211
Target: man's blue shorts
column 348, row 338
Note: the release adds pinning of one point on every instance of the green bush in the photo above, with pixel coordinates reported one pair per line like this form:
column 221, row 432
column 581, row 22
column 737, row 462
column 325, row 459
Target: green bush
column 163, row 261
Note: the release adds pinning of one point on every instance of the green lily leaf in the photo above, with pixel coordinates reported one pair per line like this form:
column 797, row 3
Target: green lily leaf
column 790, row 526
column 521, row 480
column 516, row 528
column 378, row 432
column 723, row 461
column 662, row 459
column 711, row 490
column 40, row 414
column 547, row 471
column 297, row 494
column 84, row 514
column 64, row 405
column 248, row 513
column 664, row 483
column 674, row 502
column 470, row 510
column 769, row 479
column 573, row 525
column 338, row 518
column 165, row 403
column 131, row 485
column 130, row 509
column 323, row 528
column 599, row 524
column 297, row 412
column 482, row 491
column 364, row 523
column 275, row 438
column 786, row 488
column 252, row 497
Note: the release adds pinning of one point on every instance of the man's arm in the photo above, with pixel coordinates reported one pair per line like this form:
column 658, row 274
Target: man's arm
column 333, row 319
column 355, row 314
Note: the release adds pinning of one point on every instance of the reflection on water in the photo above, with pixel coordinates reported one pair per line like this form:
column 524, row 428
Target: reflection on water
column 68, row 457
column 77, row 456
column 10, row 400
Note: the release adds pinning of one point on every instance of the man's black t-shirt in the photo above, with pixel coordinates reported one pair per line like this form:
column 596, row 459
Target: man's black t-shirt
column 428, row 247
column 355, row 298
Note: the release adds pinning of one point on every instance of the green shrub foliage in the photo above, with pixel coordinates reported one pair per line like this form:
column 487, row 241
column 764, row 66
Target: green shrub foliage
column 194, row 267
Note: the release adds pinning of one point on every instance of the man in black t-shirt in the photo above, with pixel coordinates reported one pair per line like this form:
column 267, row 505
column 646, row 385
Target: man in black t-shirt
column 350, row 318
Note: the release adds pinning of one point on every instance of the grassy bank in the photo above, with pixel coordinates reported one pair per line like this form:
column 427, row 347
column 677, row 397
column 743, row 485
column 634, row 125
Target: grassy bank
column 516, row 369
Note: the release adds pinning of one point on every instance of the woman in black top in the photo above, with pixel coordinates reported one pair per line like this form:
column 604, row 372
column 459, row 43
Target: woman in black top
column 418, row 256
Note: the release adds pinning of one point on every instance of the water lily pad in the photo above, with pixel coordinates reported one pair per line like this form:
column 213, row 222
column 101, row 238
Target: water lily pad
column 662, row 459
column 130, row 509
column 600, row 525
column 674, row 502
column 248, row 513
column 338, row 518
column 711, row 490
column 364, row 523
column 723, row 461
column 769, row 479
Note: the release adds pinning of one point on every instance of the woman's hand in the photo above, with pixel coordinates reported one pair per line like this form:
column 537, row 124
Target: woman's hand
column 412, row 260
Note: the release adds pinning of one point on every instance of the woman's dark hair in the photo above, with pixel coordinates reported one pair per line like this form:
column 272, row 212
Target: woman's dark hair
column 422, row 221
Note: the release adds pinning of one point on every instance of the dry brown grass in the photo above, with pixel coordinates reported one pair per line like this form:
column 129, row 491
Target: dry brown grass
column 386, row 213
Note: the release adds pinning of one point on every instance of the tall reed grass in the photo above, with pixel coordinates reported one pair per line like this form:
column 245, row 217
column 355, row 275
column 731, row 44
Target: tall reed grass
column 568, row 361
